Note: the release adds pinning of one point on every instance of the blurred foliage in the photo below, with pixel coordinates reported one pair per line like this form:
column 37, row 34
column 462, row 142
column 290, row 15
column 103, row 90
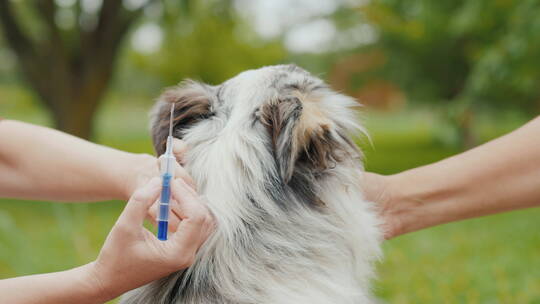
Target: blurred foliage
column 462, row 57
column 487, row 52
column 67, row 52
column 206, row 40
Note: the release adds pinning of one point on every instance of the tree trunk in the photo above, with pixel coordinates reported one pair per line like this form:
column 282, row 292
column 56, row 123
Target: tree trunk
column 70, row 81
column 76, row 119
column 76, row 104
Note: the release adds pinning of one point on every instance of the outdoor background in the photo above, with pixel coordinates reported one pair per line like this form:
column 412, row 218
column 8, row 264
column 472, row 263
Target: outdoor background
column 437, row 77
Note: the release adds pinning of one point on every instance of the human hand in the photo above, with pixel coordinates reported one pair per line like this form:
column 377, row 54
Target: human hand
column 132, row 256
column 145, row 166
column 179, row 148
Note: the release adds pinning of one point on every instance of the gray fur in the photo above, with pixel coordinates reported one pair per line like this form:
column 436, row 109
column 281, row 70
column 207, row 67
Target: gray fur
column 292, row 224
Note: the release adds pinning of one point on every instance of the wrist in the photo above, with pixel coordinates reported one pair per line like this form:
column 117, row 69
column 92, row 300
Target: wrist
column 99, row 284
column 421, row 199
column 139, row 169
column 404, row 204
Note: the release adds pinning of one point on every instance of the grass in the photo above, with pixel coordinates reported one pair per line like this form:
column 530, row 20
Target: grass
column 486, row 260
column 493, row 259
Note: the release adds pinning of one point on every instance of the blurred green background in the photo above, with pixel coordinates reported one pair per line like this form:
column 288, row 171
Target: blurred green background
column 437, row 77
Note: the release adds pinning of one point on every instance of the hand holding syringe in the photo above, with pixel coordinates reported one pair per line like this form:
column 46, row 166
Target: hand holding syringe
column 179, row 149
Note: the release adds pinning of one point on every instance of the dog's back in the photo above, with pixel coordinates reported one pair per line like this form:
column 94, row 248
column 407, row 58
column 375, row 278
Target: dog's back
column 269, row 152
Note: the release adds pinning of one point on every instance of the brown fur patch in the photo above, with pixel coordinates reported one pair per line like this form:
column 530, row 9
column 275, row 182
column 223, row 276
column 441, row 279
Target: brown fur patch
column 301, row 132
column 280, row 117
column 192, row 103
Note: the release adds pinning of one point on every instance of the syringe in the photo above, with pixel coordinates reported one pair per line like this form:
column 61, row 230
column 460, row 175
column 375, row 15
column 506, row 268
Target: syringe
column 167, row 174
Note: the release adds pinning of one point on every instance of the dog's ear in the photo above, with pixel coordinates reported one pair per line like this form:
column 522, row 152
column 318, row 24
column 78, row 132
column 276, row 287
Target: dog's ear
column 281, row 118
column 302, row 136
column 192, row 103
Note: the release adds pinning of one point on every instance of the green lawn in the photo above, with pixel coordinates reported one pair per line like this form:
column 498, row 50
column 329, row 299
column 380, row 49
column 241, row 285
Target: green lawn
column 494, row 259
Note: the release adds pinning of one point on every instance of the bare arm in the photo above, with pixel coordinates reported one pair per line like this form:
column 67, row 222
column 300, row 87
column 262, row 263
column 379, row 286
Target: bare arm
column 501, row 175
column 130, row 257
column 77, row 285
column 42, row 163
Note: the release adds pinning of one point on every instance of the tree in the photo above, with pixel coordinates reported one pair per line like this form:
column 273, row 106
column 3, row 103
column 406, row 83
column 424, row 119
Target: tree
column 468, row 55
column 450, row 50
column 69, row 66
column 208, row 41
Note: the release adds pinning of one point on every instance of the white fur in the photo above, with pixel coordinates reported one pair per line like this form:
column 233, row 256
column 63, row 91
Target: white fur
column 268, row 254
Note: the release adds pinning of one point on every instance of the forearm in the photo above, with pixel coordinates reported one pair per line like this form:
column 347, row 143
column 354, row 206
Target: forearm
column 131, row 256
column 42, row 163
column 501, row 175
column 78, row 285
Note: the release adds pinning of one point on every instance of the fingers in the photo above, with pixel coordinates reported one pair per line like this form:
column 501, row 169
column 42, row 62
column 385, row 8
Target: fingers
column 137, row 206
column 196, row 221
column 180, row 172
column 153, row 213
column 186, row 198
column 174, row 219
column 179, row 149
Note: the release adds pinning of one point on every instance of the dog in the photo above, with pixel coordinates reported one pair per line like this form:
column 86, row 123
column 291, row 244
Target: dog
column 271, row 153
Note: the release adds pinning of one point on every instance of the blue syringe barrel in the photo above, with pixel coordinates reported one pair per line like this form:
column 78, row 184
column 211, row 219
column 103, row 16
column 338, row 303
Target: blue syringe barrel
column 167, row 162
column 163, row 215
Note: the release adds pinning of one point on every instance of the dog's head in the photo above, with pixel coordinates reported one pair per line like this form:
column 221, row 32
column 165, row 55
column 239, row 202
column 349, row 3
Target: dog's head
column 282, row 110
column 269, row 150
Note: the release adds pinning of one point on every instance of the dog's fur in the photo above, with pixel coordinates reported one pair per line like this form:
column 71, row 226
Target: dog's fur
column 270, row 152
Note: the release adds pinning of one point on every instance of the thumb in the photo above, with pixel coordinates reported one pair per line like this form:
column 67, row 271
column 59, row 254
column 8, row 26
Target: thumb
column 142, row 199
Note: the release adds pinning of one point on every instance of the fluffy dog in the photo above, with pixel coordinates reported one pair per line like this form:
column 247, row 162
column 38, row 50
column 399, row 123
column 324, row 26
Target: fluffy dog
column 270, row 152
